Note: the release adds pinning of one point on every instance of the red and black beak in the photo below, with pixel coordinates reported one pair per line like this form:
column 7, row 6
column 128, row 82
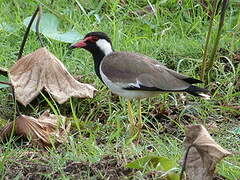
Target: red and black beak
column 79, row 44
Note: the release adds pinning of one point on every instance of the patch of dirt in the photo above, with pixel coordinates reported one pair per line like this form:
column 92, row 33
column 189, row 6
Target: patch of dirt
column 32, row 167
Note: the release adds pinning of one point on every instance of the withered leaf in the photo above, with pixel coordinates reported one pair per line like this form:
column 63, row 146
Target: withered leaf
column 44, row 131
column 204, row 155
column 42, row 70
column 145, row 10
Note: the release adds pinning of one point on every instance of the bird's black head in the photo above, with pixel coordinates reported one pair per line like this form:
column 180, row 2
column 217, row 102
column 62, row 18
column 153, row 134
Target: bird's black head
column 99, row 44
column 95, row 41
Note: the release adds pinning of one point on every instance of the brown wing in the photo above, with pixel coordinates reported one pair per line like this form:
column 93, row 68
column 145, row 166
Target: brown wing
column 141, row 72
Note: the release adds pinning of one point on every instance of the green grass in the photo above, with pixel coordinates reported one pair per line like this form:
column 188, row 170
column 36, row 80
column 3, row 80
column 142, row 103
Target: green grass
column 175, row 37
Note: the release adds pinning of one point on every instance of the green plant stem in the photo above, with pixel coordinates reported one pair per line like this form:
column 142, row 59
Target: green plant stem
column 15, row 102
column 221, row 23
column 77, row 122
column 204, row 63
column 13, row 94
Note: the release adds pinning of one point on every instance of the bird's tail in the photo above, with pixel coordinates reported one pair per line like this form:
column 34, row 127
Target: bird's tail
column 197, row 91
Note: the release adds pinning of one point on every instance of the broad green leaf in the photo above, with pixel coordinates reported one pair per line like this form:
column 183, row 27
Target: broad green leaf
column 4, row 79
column 7, row 27
column 149, row 163
column 48, row 26
column 69, row 37
column 153, row 162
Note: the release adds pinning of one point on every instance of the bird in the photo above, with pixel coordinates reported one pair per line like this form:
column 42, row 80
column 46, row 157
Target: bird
column 134, row 75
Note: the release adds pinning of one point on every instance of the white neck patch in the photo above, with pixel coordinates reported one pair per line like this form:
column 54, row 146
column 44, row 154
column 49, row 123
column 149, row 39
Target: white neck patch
column 105, row 46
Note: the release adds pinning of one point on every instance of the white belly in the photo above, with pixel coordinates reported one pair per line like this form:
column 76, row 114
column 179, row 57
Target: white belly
column 130, row 94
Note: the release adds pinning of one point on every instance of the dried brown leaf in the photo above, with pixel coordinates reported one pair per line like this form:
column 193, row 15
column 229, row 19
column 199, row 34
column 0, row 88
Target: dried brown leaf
column 204, row 155
column 236, row 56
column 42, row 70
column 145, row 10
column 6, row 131
column 44, row 131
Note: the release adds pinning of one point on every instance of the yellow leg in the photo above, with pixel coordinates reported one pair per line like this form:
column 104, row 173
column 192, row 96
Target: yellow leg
column 140, row 122
column 131, row 117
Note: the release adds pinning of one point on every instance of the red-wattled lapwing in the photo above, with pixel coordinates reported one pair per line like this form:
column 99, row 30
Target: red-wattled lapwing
column 134, row 75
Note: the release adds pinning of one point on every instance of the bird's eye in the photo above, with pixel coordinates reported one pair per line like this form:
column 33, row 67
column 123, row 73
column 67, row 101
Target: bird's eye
column 94, row 38
column 91, row 39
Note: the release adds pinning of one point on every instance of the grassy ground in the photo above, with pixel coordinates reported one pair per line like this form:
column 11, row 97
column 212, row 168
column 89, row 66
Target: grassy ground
column 175, row 36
